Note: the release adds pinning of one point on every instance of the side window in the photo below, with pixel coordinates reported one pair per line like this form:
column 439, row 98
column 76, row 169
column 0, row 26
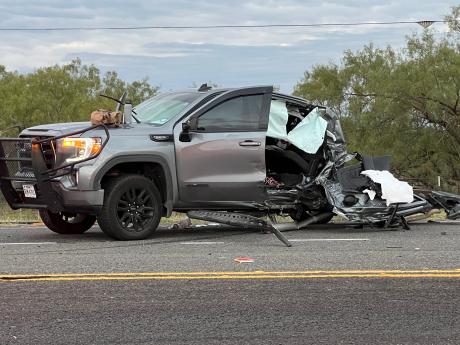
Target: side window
column 240, row 113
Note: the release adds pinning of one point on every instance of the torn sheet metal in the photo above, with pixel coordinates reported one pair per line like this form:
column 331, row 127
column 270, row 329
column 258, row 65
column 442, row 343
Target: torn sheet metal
column 308, row 135
column 365, row 210
column 448, row 201
column 364, row 204
column 335, row 139
column 393, row 190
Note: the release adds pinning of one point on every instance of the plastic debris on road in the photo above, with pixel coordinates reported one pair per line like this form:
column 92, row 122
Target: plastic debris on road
column 244, row 260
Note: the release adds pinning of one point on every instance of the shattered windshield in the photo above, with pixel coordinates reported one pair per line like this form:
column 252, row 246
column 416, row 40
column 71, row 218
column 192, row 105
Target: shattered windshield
column 162, row 108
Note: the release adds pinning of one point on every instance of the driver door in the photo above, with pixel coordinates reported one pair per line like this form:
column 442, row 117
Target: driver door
column 224, row 161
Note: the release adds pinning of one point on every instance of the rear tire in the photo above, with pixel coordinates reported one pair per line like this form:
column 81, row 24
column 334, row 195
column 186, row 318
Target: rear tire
column 67, row 223
column 132, row 208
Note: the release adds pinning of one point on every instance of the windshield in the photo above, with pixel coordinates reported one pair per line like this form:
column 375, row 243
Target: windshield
column 162, row 108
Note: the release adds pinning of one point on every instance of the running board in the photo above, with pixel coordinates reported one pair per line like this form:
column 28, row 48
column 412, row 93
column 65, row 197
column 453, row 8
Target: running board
column 240, row 220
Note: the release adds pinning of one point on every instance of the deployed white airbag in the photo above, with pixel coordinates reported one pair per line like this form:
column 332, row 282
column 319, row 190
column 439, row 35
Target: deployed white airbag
column 308, row 135
column 277, row 120
column 393, row 190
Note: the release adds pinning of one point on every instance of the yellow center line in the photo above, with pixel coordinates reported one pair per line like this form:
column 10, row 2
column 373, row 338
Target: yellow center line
column 451, row 273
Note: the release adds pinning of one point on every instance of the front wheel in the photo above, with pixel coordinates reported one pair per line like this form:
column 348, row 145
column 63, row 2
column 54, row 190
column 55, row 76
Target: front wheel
column 132, row 208
column 67, row 223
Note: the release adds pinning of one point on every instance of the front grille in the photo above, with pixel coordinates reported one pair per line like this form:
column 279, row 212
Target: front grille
column 16, row 158
column 48, row 149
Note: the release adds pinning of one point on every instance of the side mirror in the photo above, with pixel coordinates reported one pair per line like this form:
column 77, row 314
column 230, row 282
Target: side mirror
column 186, row 127
column 185, row 135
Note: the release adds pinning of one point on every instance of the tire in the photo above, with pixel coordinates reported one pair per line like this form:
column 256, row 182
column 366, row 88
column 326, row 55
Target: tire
column 67, row 223
column 132, row 208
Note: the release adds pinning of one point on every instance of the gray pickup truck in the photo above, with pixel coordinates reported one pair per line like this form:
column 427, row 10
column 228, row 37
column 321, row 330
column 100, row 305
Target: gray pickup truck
column 221, row 153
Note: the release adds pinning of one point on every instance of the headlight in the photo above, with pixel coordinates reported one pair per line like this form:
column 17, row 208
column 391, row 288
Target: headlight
column 72, row 150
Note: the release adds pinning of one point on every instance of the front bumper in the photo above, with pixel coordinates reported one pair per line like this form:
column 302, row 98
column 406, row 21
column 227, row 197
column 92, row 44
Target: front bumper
column 58, row 199
column 23, row 162
column 72, row 200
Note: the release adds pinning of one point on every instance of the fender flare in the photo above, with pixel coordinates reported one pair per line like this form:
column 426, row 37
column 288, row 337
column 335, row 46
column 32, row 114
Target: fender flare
column 139, row 158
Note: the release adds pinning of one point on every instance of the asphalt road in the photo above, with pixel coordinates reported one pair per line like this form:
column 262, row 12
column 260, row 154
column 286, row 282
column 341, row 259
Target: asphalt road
column 336, row 285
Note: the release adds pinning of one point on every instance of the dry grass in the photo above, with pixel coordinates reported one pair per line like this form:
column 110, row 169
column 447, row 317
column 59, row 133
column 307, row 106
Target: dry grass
column 7, row 215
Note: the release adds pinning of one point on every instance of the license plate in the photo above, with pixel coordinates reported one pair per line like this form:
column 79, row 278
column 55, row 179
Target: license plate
column 29, row 191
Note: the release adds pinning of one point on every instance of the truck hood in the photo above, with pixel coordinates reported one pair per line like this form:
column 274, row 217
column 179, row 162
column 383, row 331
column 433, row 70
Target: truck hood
column 57, row 129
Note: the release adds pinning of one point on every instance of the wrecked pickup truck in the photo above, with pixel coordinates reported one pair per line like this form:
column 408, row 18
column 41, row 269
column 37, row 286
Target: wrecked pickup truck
column 234, row 156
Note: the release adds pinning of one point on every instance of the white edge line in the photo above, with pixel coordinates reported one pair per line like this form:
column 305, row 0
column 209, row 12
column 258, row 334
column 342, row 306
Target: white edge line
column 25, row 243
column 326, row 239
column 198, row 242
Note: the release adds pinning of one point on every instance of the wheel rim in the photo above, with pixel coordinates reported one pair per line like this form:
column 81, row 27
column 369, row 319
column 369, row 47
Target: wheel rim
column 135, row 209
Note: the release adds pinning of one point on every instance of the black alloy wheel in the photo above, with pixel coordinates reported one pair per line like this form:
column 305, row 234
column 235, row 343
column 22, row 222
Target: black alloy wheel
column 135, row 209
column 132, row 208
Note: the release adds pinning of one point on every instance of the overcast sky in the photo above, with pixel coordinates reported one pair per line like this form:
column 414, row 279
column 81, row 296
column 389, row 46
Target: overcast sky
column 178, row 58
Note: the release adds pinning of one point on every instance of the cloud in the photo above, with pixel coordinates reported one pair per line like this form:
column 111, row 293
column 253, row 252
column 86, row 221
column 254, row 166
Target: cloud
column 177, row 58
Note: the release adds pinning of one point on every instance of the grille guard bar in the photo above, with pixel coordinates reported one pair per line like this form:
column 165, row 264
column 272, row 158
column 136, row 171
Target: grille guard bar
column 43, row 175
column 37, row 153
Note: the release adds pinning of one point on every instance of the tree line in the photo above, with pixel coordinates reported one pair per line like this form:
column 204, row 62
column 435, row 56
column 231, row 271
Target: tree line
column 402, row 102
column 62, row 93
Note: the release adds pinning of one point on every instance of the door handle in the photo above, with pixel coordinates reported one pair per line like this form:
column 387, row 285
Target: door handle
column 249, row 143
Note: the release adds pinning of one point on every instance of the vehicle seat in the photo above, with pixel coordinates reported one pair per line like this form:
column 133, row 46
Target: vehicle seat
column 288, row 160
column 293, row 160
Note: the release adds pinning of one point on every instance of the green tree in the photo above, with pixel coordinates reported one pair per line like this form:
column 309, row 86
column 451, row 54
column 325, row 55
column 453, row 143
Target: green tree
column 405, row 102
column 62, row 93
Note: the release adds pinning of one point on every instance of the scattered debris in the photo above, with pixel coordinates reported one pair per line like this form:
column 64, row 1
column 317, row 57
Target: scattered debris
column 244, row 260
